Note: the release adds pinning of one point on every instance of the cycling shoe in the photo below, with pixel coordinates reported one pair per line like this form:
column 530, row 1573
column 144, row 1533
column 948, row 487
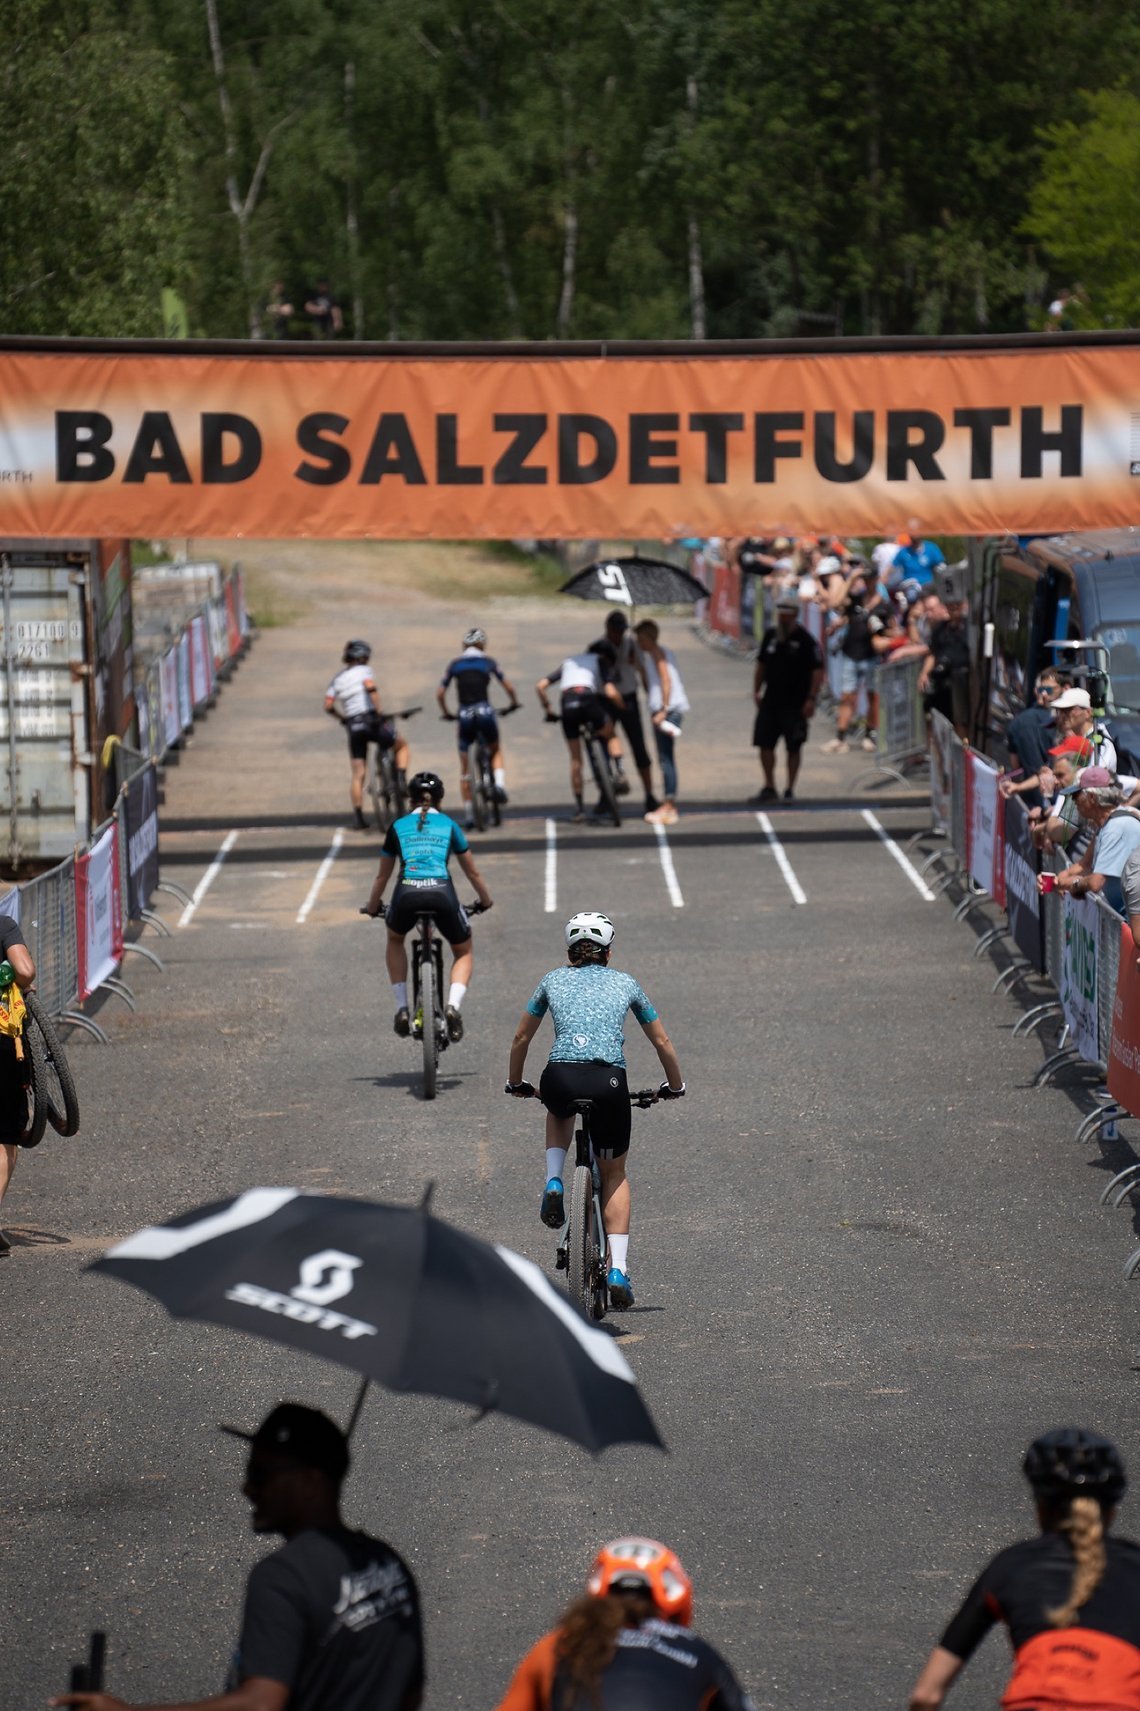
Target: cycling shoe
column 620, row 1288
column 553, row 1208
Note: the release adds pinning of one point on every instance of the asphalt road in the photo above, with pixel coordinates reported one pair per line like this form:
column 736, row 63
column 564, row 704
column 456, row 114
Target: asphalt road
column 869, row 1264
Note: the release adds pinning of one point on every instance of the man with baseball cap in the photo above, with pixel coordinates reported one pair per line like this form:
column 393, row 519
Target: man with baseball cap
column 789, row 672
column 1100, row 801
column 1078, row 720
column 332, row 1618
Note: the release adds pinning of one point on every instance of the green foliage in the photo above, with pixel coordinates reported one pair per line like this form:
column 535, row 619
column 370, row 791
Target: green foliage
column 545, row 170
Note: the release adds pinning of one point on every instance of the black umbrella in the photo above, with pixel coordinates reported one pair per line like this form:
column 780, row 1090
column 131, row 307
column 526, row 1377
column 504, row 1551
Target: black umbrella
column 397, row 1295
column 635, row 582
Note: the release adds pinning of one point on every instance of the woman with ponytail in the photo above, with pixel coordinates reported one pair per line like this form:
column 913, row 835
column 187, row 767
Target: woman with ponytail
column 627, row 1644
column 1070, row 1597
column 423, row 843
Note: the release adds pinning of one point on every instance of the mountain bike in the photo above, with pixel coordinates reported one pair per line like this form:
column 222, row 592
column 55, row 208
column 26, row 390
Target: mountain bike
column 429, row 1019
column 600, row 765
column 61, row 1101
column 582, row 1250
column 389, row 794
column 484, row 794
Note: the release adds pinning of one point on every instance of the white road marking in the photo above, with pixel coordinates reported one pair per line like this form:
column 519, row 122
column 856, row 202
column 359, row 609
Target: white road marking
column 207, row 879
column 668, row 869
column 782, row 862
column 919, row 884
column 551, row 867
column 322, row 874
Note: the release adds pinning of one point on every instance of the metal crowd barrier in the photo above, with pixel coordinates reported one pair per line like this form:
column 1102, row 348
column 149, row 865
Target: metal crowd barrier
column 901, row 727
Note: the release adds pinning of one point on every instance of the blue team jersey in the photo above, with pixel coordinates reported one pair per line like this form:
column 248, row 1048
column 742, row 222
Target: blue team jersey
column 424, row 851
column 471, row 673
column 588, row 1007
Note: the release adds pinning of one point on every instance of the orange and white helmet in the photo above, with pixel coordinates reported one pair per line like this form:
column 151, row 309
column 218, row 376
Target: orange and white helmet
column 644, row 1565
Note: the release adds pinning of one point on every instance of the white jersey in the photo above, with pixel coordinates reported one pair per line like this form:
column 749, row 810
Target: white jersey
column 350, row 688
column 580, row 674
column 678, row 700
column 883, row 556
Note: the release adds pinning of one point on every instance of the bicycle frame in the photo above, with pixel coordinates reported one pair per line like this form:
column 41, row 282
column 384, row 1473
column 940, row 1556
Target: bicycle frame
column 427, row 945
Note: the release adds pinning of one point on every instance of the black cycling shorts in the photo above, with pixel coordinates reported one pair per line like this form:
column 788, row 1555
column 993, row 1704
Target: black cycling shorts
column 606, row 1085
column 428, row 897
column 775, row 719
column 366, row 728
column 582, row 708
column 629, row 719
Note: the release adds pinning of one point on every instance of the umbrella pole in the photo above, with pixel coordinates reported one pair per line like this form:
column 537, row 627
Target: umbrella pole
column 356, row 1407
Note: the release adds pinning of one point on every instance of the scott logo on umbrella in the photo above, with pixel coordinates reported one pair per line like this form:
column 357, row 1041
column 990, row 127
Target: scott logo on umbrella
column 611, row 577
column 325, row 1277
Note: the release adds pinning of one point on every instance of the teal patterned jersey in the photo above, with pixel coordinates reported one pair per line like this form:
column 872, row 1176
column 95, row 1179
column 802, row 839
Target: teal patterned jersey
column 588, row 1007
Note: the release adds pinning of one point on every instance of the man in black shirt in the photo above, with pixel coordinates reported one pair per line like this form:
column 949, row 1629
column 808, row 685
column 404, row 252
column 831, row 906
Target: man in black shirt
column 944, row 681
column 1030, row 735
column 789, row 671
column 13, row 1064
column 332, row 1618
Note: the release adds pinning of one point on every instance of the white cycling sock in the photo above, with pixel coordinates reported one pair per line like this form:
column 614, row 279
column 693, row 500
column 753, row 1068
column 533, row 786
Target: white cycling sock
column 500, row 778
column 555, row 1162
column 400, row 993
column 619, row 1251
column 455, row 994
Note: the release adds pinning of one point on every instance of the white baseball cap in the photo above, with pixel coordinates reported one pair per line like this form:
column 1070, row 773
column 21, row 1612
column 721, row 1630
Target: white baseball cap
column 1072, row 698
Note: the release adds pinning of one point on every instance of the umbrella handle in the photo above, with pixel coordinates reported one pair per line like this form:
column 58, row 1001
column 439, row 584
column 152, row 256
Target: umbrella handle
column 356, row 1407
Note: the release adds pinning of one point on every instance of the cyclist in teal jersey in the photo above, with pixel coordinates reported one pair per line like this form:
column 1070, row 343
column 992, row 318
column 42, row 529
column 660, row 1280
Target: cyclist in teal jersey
column 588, row 1002
column 423, row 843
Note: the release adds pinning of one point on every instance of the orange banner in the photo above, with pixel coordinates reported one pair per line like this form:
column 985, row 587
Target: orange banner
column 193, row 440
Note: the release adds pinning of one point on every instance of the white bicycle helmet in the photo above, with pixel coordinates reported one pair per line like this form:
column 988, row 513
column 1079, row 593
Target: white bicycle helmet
column 590, row 928
column 475, row 639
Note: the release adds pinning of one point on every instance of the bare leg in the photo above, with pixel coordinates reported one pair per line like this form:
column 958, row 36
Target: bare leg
column 768, row 767
column 356, row 789
column 396, row 957
column 615, row 1195
column 464, row 962
column 401, row 751
column 846, row 714
column 7, row 1166
column 793, row 766
column 575, row 747
column 559, row 1131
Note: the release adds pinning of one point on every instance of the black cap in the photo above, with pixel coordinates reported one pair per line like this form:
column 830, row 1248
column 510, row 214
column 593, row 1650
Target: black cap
column 617, row 618
column 303, row 1435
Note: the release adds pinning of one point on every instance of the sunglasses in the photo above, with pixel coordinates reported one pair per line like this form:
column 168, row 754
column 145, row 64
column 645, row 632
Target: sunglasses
column 1049, row 689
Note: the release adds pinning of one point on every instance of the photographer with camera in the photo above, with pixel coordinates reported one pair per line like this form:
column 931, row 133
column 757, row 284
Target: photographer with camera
column 864, row 615
column 944, row 681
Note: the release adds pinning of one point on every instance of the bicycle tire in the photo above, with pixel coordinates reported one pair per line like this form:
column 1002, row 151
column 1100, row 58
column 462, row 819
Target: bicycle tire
column 62, row 1112
column 37, row 1093
column 429, row 1026
column 492, row 793
column 581, row 1245
column 399, row 792
column 601, row 763
column 475, row 785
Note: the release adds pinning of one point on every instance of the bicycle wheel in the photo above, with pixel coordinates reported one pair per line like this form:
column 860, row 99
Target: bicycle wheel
column 582, row 1246
column 428, row 1001
column 475, row 784
column 490, row 791
column 37, row 1091
column 399, row 790
column 600, row 761
column 61, row 1098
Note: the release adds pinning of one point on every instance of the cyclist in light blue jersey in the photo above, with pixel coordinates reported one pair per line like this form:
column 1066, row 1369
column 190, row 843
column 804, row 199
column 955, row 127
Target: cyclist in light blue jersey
column 588, row 1002
column 423, row 843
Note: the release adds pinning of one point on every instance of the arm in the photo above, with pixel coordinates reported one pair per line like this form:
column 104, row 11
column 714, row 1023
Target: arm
column 256, row 1694
column 373, row 694
column 510, row 689
column 924, row 674
column 813, row 690
column 331, row 706
column 758, row 681
column 663, row 1046
column 22, row 965
column 467, row 863
column 541, row 688
column 938, row 1673
column 383, row 875
column 666, row 677
column 528, row 1027
column 441, row 698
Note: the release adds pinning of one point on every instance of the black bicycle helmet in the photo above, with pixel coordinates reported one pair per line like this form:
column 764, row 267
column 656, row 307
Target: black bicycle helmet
column 425, row 784
column 1071, row 1462
column 604, row 650
column 357, row 653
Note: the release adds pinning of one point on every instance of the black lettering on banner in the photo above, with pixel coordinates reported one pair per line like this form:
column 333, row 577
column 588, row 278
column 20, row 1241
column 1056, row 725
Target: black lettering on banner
column 512, row 469
column 646, row 446
column 393, row 452
column 449, row 472
column 156, row 452
column 81, row 449
column 981, row 424
column 1036, row 440
column 716, row 425
column 216, row 425
column 572, row 472
column 770, row 424
column 336, row 459
column 862, row 446
column 902, row 450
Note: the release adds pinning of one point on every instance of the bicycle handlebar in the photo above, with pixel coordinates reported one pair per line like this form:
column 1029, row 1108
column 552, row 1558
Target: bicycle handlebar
column 499, row 712
column 643, row 1098
column 473, row 908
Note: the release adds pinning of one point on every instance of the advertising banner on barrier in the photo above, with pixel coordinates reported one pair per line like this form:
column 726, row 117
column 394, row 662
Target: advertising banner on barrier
column 182, row 666
column 724, row 600
column 1124, row 1050
column 1023, row 901
column 171, row 715
column 975, row 436
column 1078, row 973
column 98, row 912
column 140, row 795
column 986, row 862
column 201, row 664
column 902, row 727
column 941, row 753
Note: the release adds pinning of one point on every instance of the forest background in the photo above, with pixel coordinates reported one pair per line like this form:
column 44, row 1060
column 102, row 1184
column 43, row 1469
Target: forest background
column 505, row 169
